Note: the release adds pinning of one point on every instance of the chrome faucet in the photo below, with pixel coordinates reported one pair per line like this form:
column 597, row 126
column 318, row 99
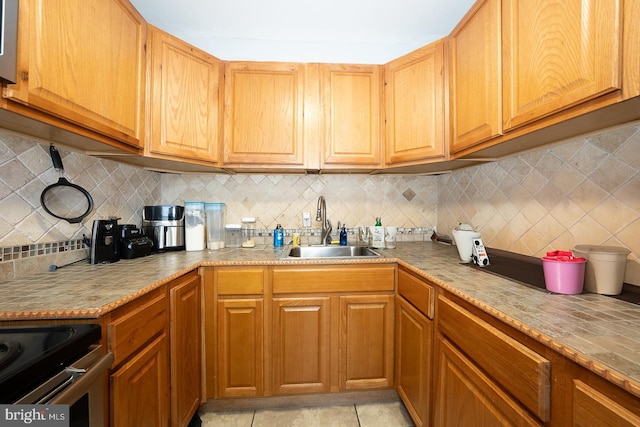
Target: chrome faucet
column 321, row 215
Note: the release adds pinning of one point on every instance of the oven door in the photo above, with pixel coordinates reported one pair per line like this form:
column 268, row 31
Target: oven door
column 81, row 385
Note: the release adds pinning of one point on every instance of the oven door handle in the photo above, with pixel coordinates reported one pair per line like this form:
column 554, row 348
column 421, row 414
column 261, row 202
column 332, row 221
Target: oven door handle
column 80, row 386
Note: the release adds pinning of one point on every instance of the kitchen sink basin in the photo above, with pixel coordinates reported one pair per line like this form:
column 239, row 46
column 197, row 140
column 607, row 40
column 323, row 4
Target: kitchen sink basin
column 314, row 252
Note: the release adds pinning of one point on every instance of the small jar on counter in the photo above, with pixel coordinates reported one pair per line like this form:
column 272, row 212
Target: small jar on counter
column 248, row 232
column 233, row 235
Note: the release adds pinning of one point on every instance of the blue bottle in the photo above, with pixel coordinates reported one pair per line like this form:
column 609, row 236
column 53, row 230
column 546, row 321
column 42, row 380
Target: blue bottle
column 343, row 236
column 278, row 236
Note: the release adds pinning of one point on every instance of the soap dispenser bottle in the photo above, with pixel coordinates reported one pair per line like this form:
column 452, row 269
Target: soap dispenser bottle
column 343, row 236
column 377, row 238
column 278, row 236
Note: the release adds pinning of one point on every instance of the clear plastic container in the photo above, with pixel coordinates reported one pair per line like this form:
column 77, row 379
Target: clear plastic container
column 194, row 226
column 248, row 232
column 215, row 225
column 233, row 235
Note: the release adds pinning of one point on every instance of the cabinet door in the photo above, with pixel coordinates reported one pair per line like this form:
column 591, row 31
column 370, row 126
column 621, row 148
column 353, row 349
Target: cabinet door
column 264, row 114
column 140, row 388
column 240, row 348
column 414, row 348
column 414, row 102
column 464, row 396
column 301, row 345
column 184, row 99
column 557, row 54
column 366, row 342
column 474, row 71
column 83, row 61
column 593, row 407
column 351, row 97
column 522, row 372
column 186, row 349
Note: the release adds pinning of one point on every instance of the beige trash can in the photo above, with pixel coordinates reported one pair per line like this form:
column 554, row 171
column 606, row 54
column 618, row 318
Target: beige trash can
column 604, row 272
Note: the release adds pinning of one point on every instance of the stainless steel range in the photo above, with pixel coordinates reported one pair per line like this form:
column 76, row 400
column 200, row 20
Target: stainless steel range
column 62, row 364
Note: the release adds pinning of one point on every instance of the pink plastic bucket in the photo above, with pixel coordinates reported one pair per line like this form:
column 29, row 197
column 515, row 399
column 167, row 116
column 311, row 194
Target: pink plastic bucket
column 563, row 273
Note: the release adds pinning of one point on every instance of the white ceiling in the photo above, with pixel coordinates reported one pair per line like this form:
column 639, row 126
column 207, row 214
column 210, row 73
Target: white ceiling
column 337, row 31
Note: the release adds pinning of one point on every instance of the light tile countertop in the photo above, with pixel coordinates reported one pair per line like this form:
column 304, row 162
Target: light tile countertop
column 596, row 331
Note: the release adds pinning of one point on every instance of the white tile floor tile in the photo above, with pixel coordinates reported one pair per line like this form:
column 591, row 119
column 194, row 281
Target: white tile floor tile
column 227, row 419
column 383, row 414
column 388, row 414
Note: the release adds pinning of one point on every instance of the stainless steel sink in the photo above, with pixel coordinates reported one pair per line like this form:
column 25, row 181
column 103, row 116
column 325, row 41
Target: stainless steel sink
column 314, row 252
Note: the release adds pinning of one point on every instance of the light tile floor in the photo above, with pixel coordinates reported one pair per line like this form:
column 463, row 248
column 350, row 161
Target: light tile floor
column 386, row 414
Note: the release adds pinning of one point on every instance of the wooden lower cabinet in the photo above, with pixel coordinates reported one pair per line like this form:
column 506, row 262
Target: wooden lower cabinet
column 295, row 330
column 519, row 371
column 140, row 388
column 240, row 347
column 301, row 345
column 366, row 342
column 593, row 407
column 186, row 348
column 155, row 341
column 465, row 396
column 139, row 378
column 414, row 349
column 593, row 401
column 234, row 331
column 414, row 344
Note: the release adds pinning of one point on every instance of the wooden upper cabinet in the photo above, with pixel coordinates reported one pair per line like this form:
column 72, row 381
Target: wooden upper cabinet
column 184, row 100
column 557, row 54
column 475, row 76
column 414, row 106
column 264, row 114
column 83, row 61
column 351, row 97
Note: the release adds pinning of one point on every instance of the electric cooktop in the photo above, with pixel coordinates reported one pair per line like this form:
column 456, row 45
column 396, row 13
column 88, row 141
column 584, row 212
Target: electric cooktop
column 29, row 354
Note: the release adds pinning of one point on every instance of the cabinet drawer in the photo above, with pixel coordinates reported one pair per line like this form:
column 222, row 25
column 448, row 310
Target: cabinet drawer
column 417, row 292
column 336, row 278
column 240, row 281
column 518, row 369
column 128, row 333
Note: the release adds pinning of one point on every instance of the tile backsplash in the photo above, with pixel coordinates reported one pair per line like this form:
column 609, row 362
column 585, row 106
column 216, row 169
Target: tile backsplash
column 354, row 200
column 584, row 191
column 30, row 238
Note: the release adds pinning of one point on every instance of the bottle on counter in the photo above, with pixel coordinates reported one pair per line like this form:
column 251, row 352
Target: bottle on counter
column 278, row 236
column 343, row 235
column 377, row 234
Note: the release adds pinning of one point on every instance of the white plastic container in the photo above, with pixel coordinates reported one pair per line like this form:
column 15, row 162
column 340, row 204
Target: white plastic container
column 604, row 272
column 464, row 243
column 194, row 226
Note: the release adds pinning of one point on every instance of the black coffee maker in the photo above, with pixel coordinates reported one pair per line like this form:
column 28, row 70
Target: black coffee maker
column 104, row 241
